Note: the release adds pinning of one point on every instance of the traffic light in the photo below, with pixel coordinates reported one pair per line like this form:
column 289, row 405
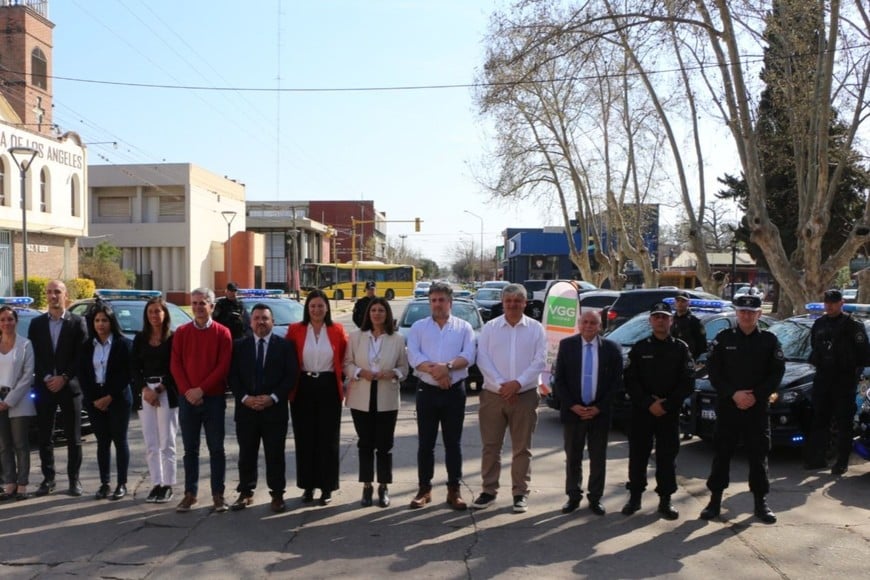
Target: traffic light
column 416, row 224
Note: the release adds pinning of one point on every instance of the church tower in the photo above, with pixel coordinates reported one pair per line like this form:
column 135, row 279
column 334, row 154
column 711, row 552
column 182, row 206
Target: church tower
column 25, row 62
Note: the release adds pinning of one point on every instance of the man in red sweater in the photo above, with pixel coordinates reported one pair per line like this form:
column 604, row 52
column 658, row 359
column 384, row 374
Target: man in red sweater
column 201, row 354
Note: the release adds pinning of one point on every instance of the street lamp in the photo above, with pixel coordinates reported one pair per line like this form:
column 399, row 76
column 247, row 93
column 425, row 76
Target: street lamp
column 23, row 157
column 229, row 216
column 482, row 275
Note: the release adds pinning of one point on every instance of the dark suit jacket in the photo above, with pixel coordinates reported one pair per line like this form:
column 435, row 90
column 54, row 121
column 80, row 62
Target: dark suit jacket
column 118, row 371
column 64, row 360
column 569, row 369
column 279, row 376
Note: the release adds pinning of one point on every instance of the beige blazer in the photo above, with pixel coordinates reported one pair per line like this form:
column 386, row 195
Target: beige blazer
column 393, row 356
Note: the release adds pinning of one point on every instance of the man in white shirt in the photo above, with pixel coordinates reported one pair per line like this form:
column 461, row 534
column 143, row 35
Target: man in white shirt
column 440, row 349
column 511, row 354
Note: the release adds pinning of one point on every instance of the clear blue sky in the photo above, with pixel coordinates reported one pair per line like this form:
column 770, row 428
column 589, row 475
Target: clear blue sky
column 413, row 152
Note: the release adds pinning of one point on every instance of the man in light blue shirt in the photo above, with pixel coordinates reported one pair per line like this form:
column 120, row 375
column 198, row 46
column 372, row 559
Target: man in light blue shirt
column 440, row 349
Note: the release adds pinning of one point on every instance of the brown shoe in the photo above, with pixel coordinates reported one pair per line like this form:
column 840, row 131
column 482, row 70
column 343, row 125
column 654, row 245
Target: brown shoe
column 220, row 505
column 187, row 502
column 423, row 497
column 454, row 498
column 241, row 503
column 277, row 504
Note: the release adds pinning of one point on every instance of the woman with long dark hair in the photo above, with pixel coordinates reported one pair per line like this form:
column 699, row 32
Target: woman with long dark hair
column 104, row 374
column 315, row 404
column 155, row 398
column 16, row 407
column 376, row 362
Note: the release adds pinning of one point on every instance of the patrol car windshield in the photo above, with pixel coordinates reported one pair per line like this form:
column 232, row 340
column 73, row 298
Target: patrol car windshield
column 633, row 331
column 284, row 312
column 419, row 310
column 794, row 338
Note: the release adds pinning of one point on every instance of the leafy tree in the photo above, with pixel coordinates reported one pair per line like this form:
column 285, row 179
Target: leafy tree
column 102, row 264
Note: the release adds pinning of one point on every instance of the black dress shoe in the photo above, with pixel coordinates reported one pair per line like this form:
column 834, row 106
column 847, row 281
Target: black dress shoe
column 383, row 496
column 103, row 492
column 631, row 506
column 47, row 487
column 570, row 506
column 325, row 497
column 597, row 508
column 308, row 496
column 763, row 511
column 368, row 492
column 667, row 509
column 119, row 492
column 75, row 488
column 839, row 469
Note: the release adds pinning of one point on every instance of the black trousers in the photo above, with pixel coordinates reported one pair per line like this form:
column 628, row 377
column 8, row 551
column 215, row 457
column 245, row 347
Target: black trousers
column 579, row 434
column 316, row 414
column 71, row 408
column 753, row 428
column 833, row 399
column 249, row 432
column 665, row 431
column 375, row 430
column 110, row 428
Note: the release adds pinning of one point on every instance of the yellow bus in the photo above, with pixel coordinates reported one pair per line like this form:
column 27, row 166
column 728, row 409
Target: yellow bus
column 337, row 280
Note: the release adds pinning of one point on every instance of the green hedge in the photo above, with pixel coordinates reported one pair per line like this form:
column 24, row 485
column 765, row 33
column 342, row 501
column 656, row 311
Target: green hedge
column 77, row 288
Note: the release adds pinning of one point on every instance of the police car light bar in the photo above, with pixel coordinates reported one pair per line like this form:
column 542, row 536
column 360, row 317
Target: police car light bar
column 123, row 293
column 701, row 304
column 816, row 307
column 259, row 293
column 16, row 300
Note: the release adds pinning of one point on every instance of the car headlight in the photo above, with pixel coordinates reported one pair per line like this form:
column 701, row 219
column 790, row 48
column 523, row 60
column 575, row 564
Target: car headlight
column 794, row 394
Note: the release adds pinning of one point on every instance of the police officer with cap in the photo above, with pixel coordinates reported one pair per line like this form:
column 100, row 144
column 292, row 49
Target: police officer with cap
column 659, row 376
column 230, row 312
column 362, row 304
column 687, row 327
column 746, row 366
column 839, row 352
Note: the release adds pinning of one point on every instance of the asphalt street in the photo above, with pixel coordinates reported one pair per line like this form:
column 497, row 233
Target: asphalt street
column 823, row 529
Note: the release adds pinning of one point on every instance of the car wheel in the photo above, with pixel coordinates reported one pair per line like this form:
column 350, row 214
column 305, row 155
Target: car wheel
column 389, row 294
column 537, row 313
column 339, row 295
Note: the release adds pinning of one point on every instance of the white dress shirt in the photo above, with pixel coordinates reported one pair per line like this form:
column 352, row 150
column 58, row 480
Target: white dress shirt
column 512, row 353
column 429, row 342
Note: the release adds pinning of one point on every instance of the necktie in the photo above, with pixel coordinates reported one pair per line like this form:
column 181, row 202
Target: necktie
column 586, row 385
column 261, row 358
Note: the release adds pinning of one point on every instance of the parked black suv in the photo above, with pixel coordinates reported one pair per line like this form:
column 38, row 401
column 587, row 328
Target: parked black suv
column 632, row 302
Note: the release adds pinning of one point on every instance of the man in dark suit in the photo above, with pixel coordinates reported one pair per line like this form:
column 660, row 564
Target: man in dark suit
column 588, row 370
column 57, row 337
column 262, row 372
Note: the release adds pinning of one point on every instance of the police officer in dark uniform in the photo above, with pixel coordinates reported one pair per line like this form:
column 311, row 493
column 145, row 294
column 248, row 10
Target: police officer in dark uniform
column 362, row 304
column 687, row 327
column 659, row 376
column 230, row 312
column 839, row 352
column 746, row 366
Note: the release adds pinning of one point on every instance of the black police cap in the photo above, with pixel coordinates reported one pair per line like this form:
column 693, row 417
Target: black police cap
column 833, row 295
column 747, row 302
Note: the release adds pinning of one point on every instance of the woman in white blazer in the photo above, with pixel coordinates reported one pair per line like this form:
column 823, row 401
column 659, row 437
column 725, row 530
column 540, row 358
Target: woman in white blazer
column 375, row 363
column 16, row 406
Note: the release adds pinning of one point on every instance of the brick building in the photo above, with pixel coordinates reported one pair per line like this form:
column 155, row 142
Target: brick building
column 371, row 237
column 54, row 217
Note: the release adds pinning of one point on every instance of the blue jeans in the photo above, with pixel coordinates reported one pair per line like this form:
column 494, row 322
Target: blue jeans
column 191, row 419
column 446, row 408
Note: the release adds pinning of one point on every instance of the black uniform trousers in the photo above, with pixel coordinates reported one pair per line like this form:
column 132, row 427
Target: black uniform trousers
column 833, row 398
column 665, row 430
column 578, row 434
column 752, row 426
column 375, row 430
column 316, row 413
column 71, row 412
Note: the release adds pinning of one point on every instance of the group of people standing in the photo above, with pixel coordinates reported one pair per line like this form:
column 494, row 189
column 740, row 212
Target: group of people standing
column 179, row 381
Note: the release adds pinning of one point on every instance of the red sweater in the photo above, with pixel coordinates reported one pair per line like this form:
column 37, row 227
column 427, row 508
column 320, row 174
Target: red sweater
column 201, row 358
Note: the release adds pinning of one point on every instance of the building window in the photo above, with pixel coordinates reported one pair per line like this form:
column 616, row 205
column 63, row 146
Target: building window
column 2, row 181
column 171, row 208
column 43, row 191
column 73, row 198
column 38, row 69
column 114, row 209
